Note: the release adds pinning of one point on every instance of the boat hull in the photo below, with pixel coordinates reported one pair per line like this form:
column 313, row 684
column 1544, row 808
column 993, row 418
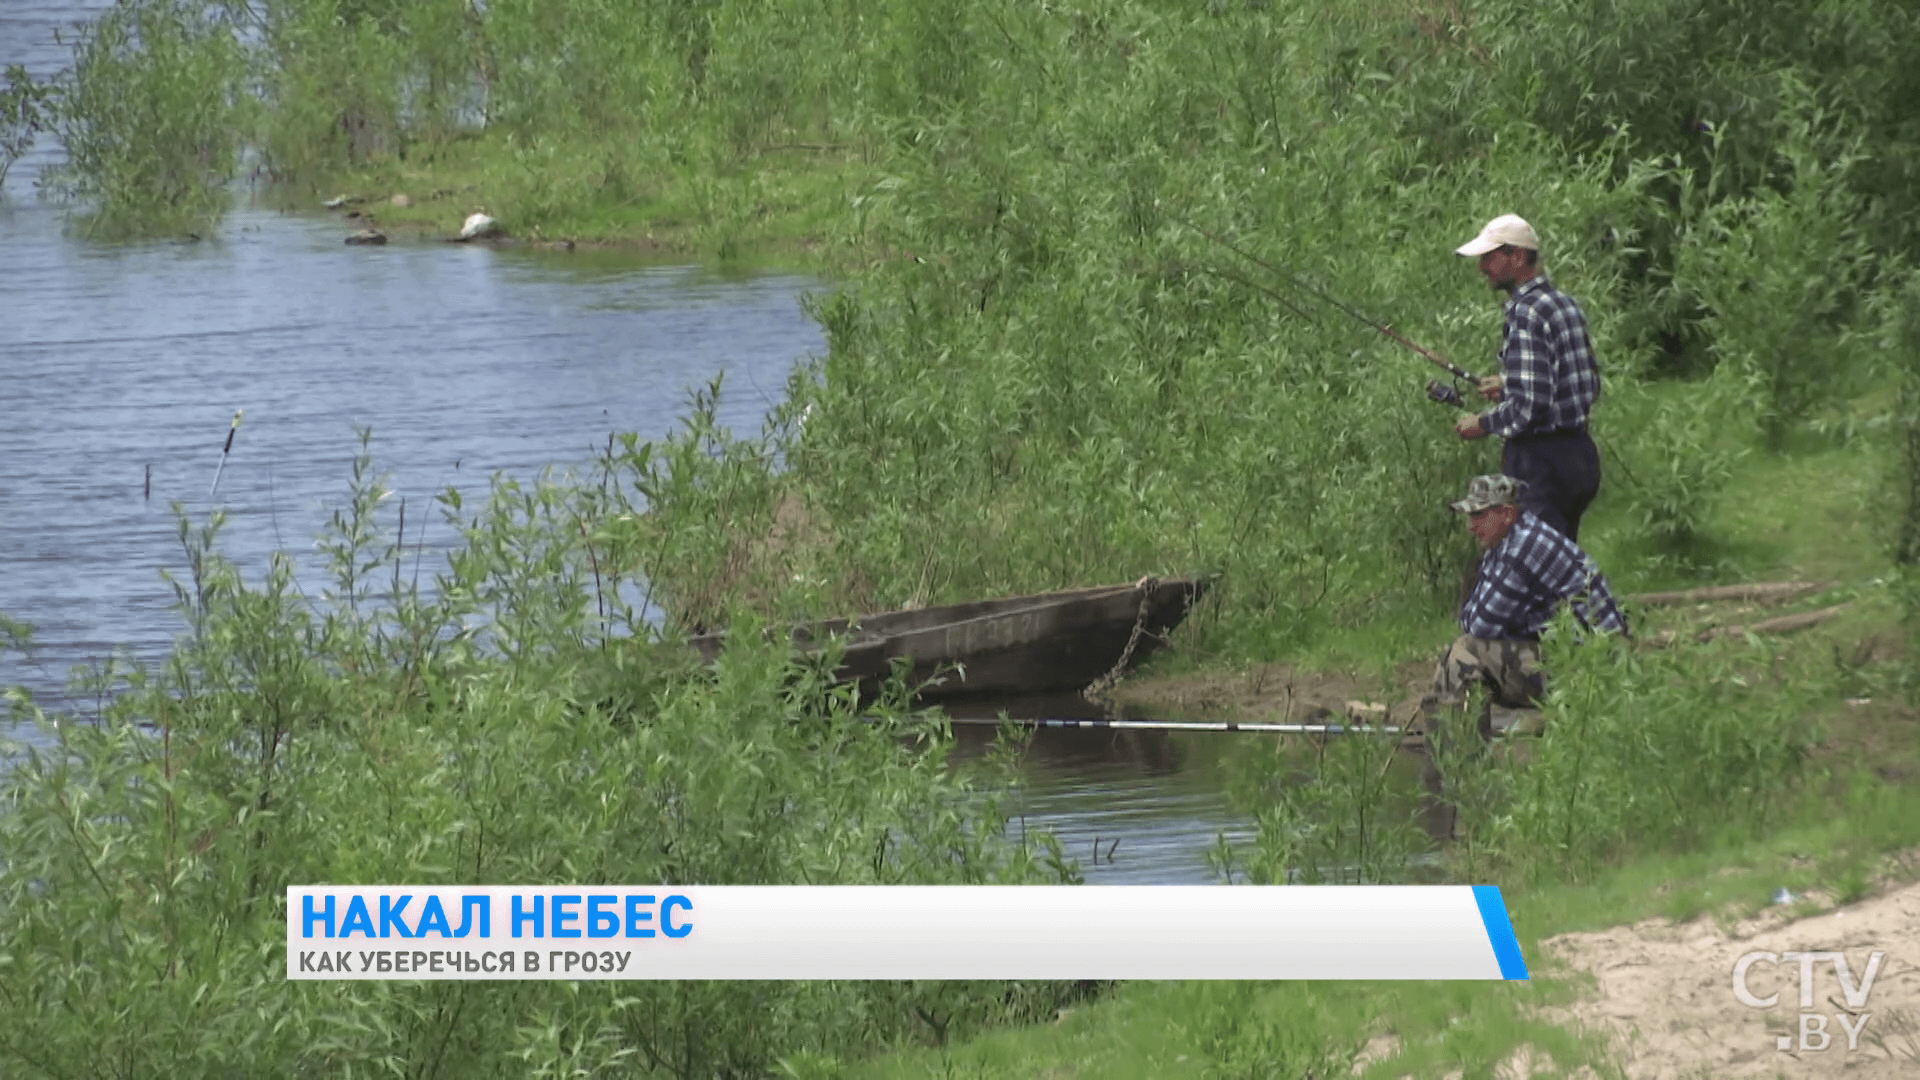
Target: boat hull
column 1019, row 645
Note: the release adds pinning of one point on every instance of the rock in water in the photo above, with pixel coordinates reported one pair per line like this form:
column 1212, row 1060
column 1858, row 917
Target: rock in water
column 478, row 226
column 368, row 236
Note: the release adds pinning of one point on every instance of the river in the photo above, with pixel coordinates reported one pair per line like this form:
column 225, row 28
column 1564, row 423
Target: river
column 125, row 363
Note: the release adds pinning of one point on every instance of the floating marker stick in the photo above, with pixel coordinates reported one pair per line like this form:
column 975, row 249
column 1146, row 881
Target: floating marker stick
column 224, row 451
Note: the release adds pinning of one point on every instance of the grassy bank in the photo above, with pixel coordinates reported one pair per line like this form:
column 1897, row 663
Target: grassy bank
column 1069, row 343
column 788, row 207
column 1384, row 1030
column 1837, row 827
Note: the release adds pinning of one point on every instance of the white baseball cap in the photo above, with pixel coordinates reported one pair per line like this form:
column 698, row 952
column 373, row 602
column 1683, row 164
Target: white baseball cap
column 1507, row 230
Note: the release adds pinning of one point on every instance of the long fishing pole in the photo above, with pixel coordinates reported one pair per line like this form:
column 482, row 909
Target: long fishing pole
column 224, row 451
column 1273, row 294
column 1329, row 299
column 1180, row 725
column 1437, row 390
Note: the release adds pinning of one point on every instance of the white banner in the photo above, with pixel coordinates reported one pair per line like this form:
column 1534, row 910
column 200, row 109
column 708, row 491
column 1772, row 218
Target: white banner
column 900, row 932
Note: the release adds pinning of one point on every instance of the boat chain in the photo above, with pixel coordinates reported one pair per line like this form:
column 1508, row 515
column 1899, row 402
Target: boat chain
column 1099, row 687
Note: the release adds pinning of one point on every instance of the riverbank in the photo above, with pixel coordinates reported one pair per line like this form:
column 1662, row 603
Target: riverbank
column 1817, row 516
column 1631, row 960
column 1631, row 977
column 1387, row 689
column 1630, row 951
column 1123, row 345
column 798, row 207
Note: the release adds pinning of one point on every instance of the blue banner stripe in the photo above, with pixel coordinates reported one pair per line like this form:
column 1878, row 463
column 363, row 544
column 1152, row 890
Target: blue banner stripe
column 1506, row 947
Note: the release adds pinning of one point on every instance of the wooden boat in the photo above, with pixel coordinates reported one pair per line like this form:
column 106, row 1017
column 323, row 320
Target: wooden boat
column 1020, row 645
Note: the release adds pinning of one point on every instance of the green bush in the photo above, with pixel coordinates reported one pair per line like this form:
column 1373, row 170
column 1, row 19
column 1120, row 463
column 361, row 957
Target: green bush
column 152, row 115
column 1650, row 750
column 1672, row 459
column 1780, row 274
column 1330, row 812
column 26, row 110
column 493, row 730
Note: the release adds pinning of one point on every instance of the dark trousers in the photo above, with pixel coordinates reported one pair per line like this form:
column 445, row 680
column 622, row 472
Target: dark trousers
column 1562, row 471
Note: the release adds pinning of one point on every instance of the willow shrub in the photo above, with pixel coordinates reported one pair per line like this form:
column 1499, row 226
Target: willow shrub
column 1644, row 750
column 1780, row 274
column 1585, row 71
column 487, row 731
column 333, row 90
column 26, row 109
column 152, row 114
column 1652, row 749
column 1069, row 382
column 1670, row 459
column 1334, row 812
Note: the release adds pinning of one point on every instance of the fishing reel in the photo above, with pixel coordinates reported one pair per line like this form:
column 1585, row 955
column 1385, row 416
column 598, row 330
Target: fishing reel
column 1445, row 394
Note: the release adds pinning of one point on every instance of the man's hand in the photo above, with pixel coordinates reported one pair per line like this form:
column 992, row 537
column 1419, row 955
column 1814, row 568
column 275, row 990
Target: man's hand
column 1468, row 427
column 1490, row 387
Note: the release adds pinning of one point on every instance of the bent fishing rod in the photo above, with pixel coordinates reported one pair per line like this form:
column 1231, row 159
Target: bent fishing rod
column 1436, row 390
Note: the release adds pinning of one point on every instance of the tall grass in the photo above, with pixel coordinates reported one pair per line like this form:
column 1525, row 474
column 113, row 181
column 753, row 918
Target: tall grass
column 1644, row 752
column 489, row 729
column 1042, row 372
column 1651, row 750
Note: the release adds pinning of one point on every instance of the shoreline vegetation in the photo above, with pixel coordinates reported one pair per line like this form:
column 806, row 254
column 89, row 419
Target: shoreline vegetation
column 770, row 210
column 1042, row 372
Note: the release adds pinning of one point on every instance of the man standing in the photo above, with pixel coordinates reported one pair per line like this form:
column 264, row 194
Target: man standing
column 1526, row 571
column 1548, row 383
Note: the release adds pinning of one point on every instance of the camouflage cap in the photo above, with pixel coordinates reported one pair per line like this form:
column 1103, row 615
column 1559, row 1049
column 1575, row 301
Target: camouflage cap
column 1485, row 492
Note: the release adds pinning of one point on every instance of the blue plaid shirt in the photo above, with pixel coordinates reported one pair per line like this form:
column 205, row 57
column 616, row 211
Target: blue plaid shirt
column 1525, row 575
column 1552, row 377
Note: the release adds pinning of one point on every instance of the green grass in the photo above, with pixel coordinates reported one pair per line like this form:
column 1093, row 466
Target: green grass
column 785, row 207
column 1811, row 512
column 1203, row 1029
column 1066, row 383
column 1195, row 1029
column 1816, row 512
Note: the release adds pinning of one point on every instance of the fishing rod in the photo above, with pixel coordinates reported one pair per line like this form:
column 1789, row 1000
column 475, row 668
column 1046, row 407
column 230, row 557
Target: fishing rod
column 1436, row 390
column 1441, row 392
column 1177, row 725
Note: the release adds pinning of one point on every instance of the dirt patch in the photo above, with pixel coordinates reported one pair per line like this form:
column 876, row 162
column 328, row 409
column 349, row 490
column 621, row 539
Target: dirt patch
column 1275, row 693
column 1667, row 994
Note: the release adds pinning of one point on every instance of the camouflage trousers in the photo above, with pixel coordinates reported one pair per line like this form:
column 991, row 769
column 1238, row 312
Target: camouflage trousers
column 1508, row 667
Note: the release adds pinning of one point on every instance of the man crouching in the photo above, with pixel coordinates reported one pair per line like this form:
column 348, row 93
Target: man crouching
column 1526, row 570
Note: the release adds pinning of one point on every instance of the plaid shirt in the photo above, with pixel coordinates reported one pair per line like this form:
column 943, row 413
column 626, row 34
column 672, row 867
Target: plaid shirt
column 1525, row 575
column 1552, row 378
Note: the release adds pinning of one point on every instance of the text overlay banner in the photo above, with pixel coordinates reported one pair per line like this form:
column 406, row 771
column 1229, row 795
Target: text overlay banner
column 900, row 932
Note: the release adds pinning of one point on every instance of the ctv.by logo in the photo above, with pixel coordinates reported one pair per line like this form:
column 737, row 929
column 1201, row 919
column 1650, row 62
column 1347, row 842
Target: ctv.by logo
column 1814, row 1034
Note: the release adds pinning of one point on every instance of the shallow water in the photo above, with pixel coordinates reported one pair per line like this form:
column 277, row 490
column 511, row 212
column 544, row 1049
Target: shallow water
column 1131, row 807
